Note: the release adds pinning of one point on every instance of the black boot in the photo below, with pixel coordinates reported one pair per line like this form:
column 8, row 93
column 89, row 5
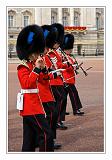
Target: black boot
column 61, row 126
column 78, row 112
column 67, row 113
column 56, row 145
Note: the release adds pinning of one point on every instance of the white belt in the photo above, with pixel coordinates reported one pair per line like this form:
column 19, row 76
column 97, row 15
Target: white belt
column 29, row 91
column 20, row 97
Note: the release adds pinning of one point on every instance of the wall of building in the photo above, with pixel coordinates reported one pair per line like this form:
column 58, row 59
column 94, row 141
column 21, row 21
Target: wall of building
column 92, row 18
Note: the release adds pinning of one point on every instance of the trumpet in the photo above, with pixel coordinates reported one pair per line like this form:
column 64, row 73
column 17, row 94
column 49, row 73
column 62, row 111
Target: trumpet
column 77, row 65
column 53, row 61
column 80, row 66
column 64, row 54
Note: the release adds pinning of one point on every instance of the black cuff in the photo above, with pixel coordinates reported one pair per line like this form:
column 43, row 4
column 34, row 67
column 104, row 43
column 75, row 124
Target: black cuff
column 37, row 70
column 49, row 69
column 68, row 64
column 55, row 75
column 44, row 70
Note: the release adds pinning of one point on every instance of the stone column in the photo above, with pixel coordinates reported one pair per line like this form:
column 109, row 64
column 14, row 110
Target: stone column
column 60, row 15
column 19, row 19
column 88, row 17
column 102, row 17
column 46, row 16
column 38, row 16
column 81, row 17
column 71, row 17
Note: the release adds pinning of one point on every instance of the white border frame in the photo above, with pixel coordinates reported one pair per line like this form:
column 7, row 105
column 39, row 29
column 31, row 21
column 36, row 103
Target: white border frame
column 107, row 87
column 7, row 7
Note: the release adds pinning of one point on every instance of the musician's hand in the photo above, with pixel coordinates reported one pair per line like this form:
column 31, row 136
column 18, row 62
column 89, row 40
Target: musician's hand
column 59, row 74
column 69, row 62
column 39, row 62
column 77, row 67
column 42, row 65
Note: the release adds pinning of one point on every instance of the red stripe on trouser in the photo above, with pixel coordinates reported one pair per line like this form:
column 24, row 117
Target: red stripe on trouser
column 59, row 106
column 41, row 129
column 51, row 120
column 59, row 111
column 74, row 98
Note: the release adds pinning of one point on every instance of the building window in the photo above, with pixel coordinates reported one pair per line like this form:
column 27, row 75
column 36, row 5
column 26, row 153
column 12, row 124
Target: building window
column 10, row 20
column 52, row 20
column 26, row 18
column 65, row 21
column 97, row 23
column 53, row 15
column 99, row 18
column 11, row 36
column 65, row 16
column 26, row 21
column 76, row 19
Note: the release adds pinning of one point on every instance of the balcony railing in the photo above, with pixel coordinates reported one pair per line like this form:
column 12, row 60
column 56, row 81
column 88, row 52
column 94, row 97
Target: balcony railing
column 15, row 28
column 75, row 28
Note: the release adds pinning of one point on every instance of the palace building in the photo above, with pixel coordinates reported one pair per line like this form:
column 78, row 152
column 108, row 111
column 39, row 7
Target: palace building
column 87, row 25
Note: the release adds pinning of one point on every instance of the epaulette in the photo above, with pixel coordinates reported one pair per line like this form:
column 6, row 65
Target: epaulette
column 24, row 63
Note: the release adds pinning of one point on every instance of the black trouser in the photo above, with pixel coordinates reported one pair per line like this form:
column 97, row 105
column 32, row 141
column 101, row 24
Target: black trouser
column 52, row 115
column 34, row 125
column 74, row 97
column 60, row 97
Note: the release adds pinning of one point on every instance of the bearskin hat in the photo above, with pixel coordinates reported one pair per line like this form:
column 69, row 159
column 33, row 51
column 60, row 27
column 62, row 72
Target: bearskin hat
column 68, row 42
column 30, row 40
column 60, row 29
column 50, row 35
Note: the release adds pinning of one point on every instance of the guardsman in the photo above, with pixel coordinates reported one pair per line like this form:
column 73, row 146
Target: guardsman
column 54, row 62
column 47, row 96
column 30, row 45
column 48, row 101
column 69, row 76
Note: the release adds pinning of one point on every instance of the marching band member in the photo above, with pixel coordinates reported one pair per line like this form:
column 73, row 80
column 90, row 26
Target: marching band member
column 69, row 76
column 47, row 96
column 30, row 45
column 48, row 102
column 54, row 62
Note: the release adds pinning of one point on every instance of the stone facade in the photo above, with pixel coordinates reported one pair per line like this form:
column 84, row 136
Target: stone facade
column 17, row 19
column 89, row 42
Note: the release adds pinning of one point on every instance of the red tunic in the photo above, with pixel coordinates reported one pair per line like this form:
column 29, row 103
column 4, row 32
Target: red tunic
column 53, row 55
column 69, row 74
column 45, row 91
column 28, row 80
